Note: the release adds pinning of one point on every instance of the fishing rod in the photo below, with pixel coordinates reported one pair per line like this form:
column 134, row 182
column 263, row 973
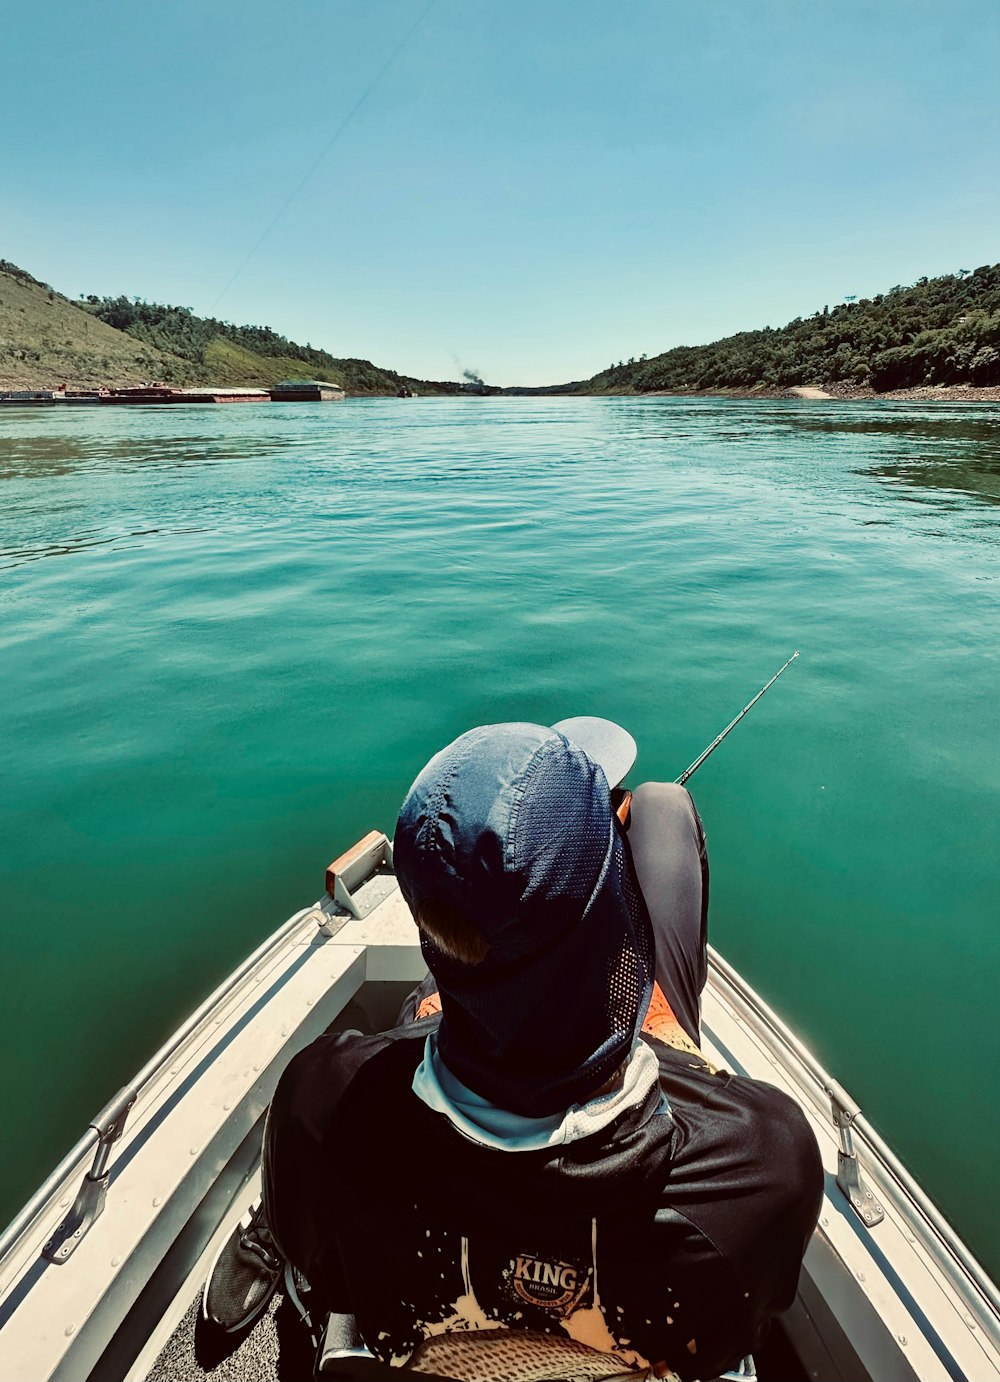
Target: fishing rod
column 732, row 724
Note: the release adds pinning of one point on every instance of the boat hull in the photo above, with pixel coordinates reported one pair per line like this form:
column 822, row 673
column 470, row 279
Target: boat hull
column 898, row 1299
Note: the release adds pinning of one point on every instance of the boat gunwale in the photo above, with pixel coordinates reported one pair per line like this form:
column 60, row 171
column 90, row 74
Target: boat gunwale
column 948, row 1250
column 74, row 1162
column 972, row 1288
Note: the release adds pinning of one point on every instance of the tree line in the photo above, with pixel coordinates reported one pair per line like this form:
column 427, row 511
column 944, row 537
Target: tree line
column 943, row 330
column 179, row 331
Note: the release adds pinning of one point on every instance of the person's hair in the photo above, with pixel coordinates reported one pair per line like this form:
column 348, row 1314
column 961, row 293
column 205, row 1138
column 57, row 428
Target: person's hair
column 452, row 931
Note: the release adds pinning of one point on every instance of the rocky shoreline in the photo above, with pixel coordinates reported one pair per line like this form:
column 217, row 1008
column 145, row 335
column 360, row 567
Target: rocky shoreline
column 932, row 393
column 949, row 393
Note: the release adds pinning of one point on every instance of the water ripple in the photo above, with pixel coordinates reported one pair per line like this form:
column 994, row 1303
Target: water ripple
column 230, row 636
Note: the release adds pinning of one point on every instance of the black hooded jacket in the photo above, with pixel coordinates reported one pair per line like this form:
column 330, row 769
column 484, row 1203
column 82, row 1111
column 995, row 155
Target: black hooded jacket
column 673, row 1235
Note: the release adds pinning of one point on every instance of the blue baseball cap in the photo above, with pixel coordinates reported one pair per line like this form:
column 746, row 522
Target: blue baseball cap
column 513, row 825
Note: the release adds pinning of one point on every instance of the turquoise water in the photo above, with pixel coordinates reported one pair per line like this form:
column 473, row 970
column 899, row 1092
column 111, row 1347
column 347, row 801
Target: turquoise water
column 230, row 637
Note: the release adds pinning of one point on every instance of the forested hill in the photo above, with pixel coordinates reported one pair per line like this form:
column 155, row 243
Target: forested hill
column 226, row 354
column 939, row 331
column 47, row 340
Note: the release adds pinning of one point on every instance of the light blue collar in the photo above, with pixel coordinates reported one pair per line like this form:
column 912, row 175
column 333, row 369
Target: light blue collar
column 483, row 1122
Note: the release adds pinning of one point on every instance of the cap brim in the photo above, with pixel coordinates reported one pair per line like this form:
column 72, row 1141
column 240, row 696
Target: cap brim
column 606, row 743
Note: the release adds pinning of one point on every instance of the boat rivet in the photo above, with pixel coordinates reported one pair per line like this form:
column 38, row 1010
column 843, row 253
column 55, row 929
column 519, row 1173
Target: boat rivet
column 310, row 1002
column 194, row 1151
column 173, row 1070
column 70, row 1329
column 902, row 1339
column 64, row 1204
column 970, row 1321
column 157, row 1201
column 228, row 1105
column 825, row 1223
column 861, row 1276
column 256, row 1067
column 116, row 1260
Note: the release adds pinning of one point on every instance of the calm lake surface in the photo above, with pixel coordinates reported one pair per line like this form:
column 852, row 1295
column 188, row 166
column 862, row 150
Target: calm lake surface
column 231, row 636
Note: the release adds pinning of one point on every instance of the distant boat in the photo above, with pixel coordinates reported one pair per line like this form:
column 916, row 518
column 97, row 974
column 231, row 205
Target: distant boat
column 165, row 393
column 45, row 398
column 30, row 398
column 306, row 391
column 223, row 395
column 142, row 393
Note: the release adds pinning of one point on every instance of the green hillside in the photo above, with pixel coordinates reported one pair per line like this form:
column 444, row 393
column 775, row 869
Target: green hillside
column 46, row 340
column 222, row 353
column 941, row 331
column 938, row 332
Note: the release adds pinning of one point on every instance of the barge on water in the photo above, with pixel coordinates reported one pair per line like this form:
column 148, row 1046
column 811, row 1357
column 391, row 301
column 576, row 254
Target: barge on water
column 307, row 391
column 290, row 391
column 48, row 398
column 164, row 393
column 142, row 393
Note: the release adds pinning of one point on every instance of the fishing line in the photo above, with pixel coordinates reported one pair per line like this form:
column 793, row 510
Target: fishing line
column 329, row 145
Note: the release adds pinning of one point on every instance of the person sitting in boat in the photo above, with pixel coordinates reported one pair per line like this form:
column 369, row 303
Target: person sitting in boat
column 539, row 1145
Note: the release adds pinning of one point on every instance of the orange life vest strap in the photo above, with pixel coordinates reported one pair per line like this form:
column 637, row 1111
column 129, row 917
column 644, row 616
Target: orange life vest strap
column 659, row 1021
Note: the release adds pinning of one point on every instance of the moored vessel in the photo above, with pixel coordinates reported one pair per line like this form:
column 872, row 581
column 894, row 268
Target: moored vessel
column 307, row 391
column 31, row 398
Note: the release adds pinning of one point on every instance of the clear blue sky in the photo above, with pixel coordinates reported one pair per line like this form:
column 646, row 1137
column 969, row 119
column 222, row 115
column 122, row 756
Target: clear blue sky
column 529, row 189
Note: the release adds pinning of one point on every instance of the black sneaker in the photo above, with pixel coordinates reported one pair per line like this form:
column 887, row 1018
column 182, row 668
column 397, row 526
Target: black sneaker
column 244, row 1275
